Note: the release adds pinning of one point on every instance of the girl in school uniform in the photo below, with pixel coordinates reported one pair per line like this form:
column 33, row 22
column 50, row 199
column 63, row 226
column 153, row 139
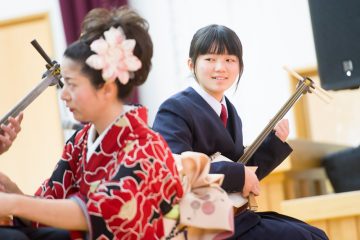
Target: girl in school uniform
column 202, row 119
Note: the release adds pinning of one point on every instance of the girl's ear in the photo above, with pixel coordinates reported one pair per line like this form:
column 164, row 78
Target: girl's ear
column 191, row 65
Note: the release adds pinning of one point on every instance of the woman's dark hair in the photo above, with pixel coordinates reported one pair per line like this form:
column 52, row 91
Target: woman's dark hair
column 216, row 39
column 99, row 20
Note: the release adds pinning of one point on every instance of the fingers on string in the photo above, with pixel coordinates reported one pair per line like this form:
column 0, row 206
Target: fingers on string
column 5, row 143
column 10, row 133
column 16, row 122
column 282, row 129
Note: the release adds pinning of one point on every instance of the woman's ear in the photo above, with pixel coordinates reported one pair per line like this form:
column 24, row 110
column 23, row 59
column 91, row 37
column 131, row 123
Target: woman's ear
column 110, row 89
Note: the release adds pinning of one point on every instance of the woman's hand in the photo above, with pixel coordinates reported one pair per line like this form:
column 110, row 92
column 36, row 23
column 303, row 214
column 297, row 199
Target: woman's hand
column 8, row 186
column 7, row 204
column 282, row 129
column 10, row 132
column 252, row 184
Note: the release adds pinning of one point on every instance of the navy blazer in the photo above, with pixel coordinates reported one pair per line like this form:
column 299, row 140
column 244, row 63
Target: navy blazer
column 188, row 123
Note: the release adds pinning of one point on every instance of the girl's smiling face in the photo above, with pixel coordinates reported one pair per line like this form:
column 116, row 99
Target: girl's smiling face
column 215, row 73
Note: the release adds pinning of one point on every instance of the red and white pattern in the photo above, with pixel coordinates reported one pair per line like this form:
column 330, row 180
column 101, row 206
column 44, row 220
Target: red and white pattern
column 125, row 187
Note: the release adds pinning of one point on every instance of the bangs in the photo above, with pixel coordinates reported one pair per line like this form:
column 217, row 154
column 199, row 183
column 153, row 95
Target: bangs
column 218, row 42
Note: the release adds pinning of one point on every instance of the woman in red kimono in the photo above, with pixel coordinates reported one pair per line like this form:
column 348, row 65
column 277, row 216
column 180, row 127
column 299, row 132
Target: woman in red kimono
column 116, row 178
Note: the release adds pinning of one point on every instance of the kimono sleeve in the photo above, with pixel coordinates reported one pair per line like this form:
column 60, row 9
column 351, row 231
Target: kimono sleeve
column 131, row 204
column 61, row 183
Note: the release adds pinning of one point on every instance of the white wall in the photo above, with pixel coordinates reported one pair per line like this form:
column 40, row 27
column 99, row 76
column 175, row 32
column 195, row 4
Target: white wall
column 22, row 8
column 273, row 34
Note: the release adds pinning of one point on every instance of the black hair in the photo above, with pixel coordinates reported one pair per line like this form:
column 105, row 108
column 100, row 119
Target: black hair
column 99, row 20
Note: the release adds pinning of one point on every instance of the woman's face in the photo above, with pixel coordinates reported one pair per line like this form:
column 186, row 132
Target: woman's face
column 216, row 73
column 80, row 96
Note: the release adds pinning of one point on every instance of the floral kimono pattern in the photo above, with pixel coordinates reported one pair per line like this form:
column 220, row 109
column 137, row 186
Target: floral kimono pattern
column 127, row 184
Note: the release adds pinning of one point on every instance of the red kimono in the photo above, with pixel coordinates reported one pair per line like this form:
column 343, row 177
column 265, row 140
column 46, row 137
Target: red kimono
column 127, row 184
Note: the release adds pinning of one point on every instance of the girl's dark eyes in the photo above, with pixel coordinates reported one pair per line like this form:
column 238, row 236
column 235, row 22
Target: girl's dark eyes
column 211, row 59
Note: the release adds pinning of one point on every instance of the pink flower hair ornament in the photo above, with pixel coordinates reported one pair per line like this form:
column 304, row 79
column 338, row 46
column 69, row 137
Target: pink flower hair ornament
column 114, row 56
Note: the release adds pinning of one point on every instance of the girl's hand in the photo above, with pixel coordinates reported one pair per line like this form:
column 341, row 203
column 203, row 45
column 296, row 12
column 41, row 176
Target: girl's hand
column 251, row 182
column 10, row 132
column 282, row 129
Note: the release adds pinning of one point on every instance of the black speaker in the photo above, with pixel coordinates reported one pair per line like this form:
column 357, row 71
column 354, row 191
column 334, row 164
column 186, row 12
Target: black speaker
column 343, row 169
column 336, row 30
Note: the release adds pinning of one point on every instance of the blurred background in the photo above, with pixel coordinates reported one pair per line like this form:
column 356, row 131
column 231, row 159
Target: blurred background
column 273, row 33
